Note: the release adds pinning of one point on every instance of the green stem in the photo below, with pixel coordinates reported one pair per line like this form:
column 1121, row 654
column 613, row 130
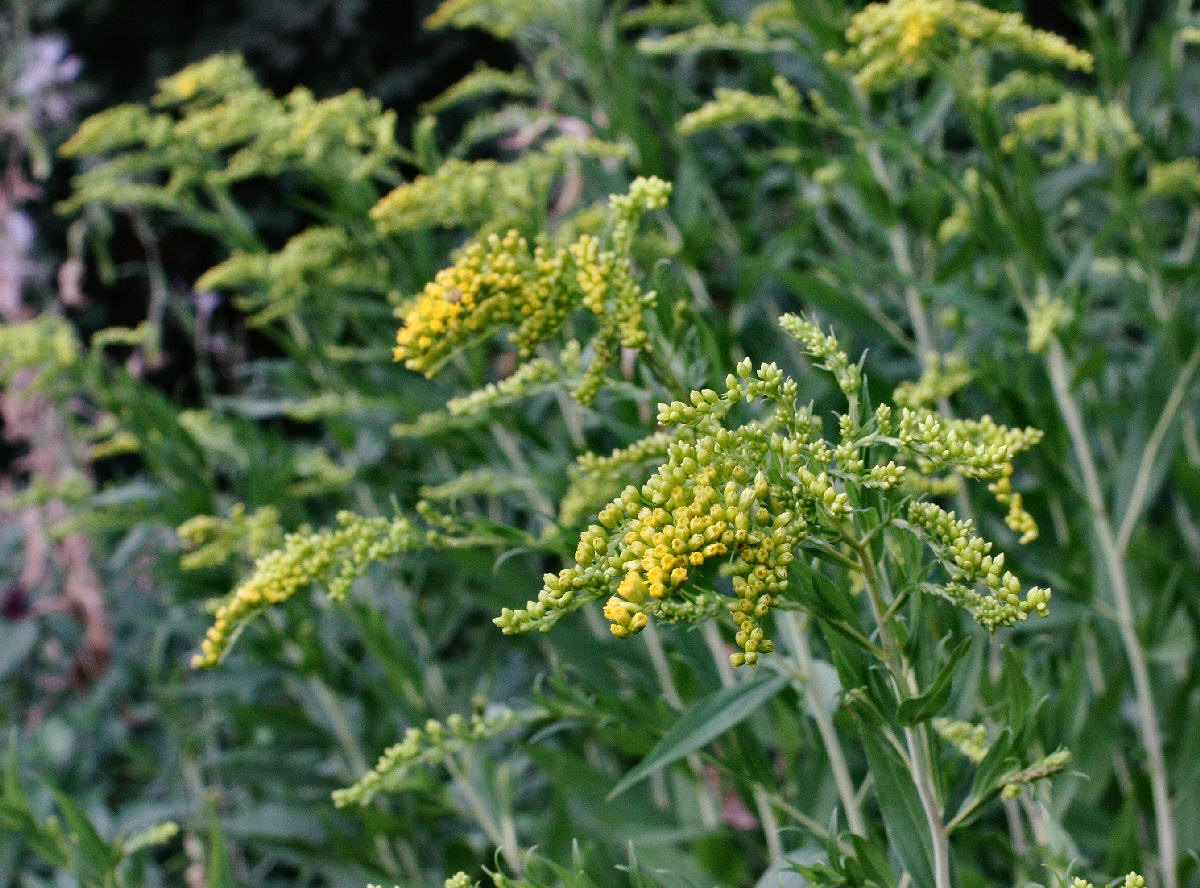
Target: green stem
column 762, row 800
column 914, row 737
column 710, row 816
column 796, row 628
column 501, row 834
column 1147, row 717
column 1141, row 484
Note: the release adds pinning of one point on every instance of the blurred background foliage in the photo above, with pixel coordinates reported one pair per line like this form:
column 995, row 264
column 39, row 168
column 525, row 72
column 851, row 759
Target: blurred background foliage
column 268, row 403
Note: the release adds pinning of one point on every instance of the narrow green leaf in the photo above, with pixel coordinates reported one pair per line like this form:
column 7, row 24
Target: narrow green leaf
column 708, row 719
column 924, row 707
column 903, row 816
column 873, row 862
column 220, row 870
column 96, row 857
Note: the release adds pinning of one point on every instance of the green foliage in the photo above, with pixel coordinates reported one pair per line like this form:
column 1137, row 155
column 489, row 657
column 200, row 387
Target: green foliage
column 441, row 401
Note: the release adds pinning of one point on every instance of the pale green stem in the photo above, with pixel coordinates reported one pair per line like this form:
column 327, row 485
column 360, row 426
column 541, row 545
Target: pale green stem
column 762, row 799
column 500, row 834
column 1147, row 717
column 710, row 816
column 796, row 628
column 355, row 756
column 898, row 243
column 799, row 816
column 1141, row 484
column 914, row 737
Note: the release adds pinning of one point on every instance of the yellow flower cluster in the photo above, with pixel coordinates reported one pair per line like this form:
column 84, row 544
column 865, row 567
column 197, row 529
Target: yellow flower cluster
column 493, row 284
column 337, row 556
column 899, row 40
column 427, row 746
column 500, row 283
column 748, row 497
column 708, row 501
column 218, row 127
column 208, row 81
column 1084, row 127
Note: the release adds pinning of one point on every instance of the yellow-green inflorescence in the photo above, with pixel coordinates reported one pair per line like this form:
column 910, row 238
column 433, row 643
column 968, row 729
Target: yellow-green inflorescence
column 213, row 540
column 747, row 497
column 730, row 107
column 503, row 282
column 1133, row 880
column 901, row 40
column 1084, row 127
column 335, row 556
column 427, row 746
column 212, row 125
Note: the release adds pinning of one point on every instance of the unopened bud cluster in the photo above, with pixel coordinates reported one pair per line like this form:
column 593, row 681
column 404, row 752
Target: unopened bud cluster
column 944, row 375
column 730, row 37
column 336, row 556
column 215, row 540
column 972, row 565
column 969, row 739
column 730, row 107
column 469, row 194
column 1133, row 880
column 1084, row 127
column 426, row 746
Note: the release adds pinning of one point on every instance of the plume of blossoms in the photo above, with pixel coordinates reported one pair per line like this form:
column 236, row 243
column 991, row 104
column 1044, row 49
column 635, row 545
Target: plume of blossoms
column 502, row 19
column 335, row 556
column 211, row 125
column 901, row 40
column 1083, row 126
column 748, row 497
column 427, row 746
column 730, row 107
column 502, row 282
column 481, row 82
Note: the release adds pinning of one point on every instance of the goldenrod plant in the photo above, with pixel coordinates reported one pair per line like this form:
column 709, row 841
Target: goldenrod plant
column 745, row 444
